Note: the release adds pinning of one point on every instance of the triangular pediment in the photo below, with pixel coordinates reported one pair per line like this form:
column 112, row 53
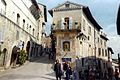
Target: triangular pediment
column 67, row 5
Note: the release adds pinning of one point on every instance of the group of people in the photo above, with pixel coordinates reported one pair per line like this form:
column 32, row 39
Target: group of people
column 69, row 74
column 66, row 71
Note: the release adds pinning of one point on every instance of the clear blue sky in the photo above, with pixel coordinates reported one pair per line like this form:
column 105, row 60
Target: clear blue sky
column 104, row 12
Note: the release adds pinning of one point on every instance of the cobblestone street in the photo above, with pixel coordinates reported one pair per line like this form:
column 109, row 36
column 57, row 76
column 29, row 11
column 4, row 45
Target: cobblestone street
column 40, row 69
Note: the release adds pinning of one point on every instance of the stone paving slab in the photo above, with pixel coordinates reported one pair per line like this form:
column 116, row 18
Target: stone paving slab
column 41, row 69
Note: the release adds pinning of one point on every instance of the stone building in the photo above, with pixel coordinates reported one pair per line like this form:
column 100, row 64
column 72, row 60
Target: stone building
column 20, row 26
column 78, row 37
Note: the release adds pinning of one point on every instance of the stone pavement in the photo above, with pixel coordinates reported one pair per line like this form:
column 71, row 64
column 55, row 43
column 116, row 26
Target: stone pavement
column 40, row 69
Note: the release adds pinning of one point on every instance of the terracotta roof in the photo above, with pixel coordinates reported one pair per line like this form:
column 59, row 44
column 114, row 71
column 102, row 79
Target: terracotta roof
column 104, row 37
column 35, row 3
column 110, row 49
column 67, row 2
column 90, row 18
column 85, row 10
column 45, row 11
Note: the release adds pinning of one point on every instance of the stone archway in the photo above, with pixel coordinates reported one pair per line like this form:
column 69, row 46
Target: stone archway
column 28, row 48
column 4, row 57
column 14, row 56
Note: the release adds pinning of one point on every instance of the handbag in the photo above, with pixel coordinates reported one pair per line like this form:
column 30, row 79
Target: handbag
column 61, row 72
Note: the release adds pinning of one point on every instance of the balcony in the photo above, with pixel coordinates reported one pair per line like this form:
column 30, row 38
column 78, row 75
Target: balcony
column 103, row 35
column 2, row 12
column 66, row 27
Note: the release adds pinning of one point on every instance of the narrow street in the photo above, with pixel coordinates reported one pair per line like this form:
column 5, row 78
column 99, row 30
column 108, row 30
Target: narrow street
column 39, row 69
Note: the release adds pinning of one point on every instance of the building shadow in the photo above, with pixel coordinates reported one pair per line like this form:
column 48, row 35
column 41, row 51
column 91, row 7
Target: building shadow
column 42, row 59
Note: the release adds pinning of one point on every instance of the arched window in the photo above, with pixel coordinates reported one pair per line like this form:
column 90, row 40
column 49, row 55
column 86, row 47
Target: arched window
column 66, row 46
column 23, row 23
column 33, row 31
column 18, row 19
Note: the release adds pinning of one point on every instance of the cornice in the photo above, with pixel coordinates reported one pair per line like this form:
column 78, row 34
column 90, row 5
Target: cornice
column 68, row 9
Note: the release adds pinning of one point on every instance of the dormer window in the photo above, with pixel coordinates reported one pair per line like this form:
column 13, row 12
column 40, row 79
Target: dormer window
column 67, row 5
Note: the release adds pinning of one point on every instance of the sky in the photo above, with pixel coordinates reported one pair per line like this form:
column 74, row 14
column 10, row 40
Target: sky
column 104, row 12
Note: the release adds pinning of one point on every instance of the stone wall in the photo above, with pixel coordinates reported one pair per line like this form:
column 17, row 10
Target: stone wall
column 12, row 35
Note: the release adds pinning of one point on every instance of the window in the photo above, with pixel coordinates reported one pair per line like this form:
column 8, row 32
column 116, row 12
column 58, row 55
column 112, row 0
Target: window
column 88, row 37
column 105, row 44
column 106, row 53
column 17, row 35
column 80, row 42
column 98, row 39
column 66, row 23
column 89, row 30
column 101, row 41
column 38, row 36
column 3, row 9
column 27, row 25
column 66, row 46
column 43, row 24
column 99, row 51
column 83, row 24
column 67, row 5
column 18, row 19
column 3, row 1
column 95, row 35
column 30, row 29
column 102, row 52
column 23, row 23
column 33, row 31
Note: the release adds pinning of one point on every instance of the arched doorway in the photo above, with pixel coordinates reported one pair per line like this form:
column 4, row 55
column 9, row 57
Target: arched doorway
column 28, row 48
column 4, row 57
column 14, row 56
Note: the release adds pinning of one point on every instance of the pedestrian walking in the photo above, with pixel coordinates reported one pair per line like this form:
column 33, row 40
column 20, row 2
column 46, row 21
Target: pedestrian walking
column 65, row 67
column 68, row 72
column 75, row 75
column 80, row 75
column 91, row 75
column 110, row 74
column 57, row 69
column 116, row 74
